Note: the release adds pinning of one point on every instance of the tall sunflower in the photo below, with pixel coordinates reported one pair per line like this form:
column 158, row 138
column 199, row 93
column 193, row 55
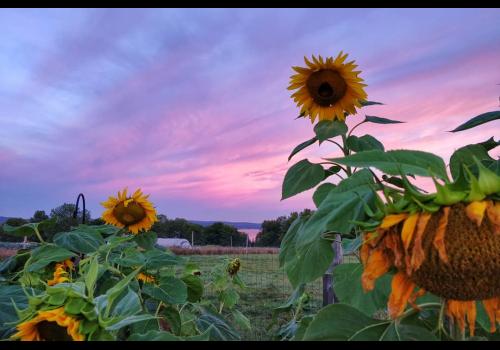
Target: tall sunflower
column 453, row 253
column 50, row 325
column 135, row 213
column 328, row 88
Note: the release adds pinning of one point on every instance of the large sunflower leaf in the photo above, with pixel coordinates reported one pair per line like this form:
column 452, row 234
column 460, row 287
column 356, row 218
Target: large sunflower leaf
column 146, row 240
column 321, row 192
column 171, row 290
column 349, row 290
column 300, row 177
column 327, row 129
column 220, row 329
column 363, row 143
column 343, row 322
column 396, row 161
column 478, row 120
column 465, row 156
column 307, row 254
column 302, row 146
column 10, row 295
column 46, row 254
column 80, row 240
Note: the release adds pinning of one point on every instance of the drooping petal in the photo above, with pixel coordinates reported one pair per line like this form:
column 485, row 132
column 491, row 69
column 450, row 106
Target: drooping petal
column 377, row 265
column 418, row 254
column 391, row 220
column 401, row 290
column 492, row 306
column 460, row 310
column 409, row 229
column 439, row 238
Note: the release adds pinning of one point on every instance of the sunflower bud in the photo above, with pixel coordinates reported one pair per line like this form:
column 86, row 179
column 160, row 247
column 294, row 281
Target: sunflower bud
column 446, row 196
column 488, row 181
column 234, row 267
column 475, row 193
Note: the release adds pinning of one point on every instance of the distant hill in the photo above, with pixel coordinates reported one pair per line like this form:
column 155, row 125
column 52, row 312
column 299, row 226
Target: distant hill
column 3, row 219
column 237, row 224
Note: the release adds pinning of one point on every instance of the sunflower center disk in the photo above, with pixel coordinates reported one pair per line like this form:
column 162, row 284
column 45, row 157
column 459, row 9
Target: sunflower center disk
column 51, row 331
column 326, row 87
column 130, row 214
column 474, row 259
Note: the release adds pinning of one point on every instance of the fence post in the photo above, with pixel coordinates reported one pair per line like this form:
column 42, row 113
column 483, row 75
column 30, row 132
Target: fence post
column 329, row 296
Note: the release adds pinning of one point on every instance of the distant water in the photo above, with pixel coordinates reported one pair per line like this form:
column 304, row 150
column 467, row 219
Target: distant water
column 251, row 232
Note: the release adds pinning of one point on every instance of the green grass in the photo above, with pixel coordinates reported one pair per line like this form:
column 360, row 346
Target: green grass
column 267, row 288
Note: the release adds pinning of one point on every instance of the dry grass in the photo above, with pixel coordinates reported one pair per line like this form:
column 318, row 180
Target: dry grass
column 5, row 253
column 219, row 250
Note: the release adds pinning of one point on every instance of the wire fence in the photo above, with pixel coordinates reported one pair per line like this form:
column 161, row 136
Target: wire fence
column 267, row 287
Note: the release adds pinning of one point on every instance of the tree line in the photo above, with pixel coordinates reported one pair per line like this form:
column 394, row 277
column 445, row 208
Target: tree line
column 218, row 233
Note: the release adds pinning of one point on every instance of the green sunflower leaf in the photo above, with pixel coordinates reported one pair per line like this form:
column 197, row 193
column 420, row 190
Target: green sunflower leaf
column 370, row 103
column 327, row 129
column 380, row 120
column 302, row 146
column 396, row 161
column 363, row 143
column 302, row 176
column 343, row 322
column 478, row 120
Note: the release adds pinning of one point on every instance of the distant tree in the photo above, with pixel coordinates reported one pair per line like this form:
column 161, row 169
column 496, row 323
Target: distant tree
column 4, row 237
column 16, row 221
column 273, row 231
column 178, row 228
column 39, row 215
column 97, row 221
column 64, row 220
column 221, row 234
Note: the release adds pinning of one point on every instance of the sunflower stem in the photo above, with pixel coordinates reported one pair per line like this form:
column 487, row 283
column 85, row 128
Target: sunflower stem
column 338, row 144
column 355, row 126
column 38, row 235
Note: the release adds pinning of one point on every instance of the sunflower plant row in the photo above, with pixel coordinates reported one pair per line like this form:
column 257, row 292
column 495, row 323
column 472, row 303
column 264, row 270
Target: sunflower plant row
column 428, row 262
column 111, row 282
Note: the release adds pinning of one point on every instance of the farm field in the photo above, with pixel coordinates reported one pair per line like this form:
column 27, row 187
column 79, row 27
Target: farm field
column 267, row 288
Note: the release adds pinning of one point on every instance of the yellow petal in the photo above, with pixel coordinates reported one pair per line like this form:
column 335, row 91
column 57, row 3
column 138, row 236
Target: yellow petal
column 391, row 220
column 439, row 238
column 401, row 290
column 409, row 229
column 475, row 211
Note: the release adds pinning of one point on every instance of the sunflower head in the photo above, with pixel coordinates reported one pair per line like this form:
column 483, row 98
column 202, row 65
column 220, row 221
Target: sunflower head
column 135, row 213
column 453, row 253
column 51, row 325
column 328, row 88
column 61, row 272
column 145, row 278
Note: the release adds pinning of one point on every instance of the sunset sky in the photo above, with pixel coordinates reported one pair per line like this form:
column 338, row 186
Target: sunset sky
column 191, row 104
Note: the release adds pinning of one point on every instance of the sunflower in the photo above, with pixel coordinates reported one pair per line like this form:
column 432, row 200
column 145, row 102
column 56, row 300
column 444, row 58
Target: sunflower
column 50, row 325
column 327, row 88
column 146, row 278
column 234, row 266
column 453, row 253
column 135, row 213
column 61, row 273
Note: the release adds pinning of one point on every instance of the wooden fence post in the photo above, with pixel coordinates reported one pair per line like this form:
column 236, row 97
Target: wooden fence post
column 329, row 296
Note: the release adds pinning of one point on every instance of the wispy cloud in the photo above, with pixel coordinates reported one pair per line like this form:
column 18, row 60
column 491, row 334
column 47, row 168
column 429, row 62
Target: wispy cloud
column 191, row 104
